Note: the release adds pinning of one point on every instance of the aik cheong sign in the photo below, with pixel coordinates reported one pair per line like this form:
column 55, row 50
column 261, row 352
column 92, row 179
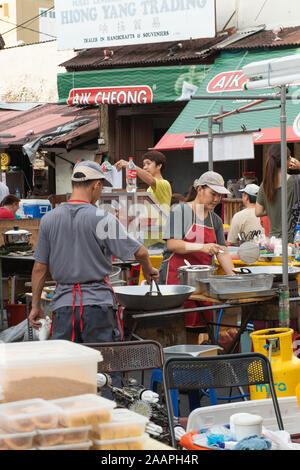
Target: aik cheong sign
column 111, row 95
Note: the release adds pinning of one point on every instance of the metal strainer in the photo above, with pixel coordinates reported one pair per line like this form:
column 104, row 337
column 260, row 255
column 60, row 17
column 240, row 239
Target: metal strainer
column 248, row 252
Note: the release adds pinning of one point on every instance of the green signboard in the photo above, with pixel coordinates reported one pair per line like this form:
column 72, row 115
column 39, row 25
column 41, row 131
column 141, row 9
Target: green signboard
column 130, row 86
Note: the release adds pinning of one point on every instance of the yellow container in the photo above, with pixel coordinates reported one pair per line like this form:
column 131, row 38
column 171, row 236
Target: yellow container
column 276, row 344
column 155, row 261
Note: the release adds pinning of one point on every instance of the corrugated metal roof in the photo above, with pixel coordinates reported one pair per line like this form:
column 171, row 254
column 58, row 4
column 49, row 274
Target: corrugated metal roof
column 289, row 37
column 143, row 55
column 44, row 119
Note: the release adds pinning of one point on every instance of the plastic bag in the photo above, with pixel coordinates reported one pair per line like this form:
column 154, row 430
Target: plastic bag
column 14, row 333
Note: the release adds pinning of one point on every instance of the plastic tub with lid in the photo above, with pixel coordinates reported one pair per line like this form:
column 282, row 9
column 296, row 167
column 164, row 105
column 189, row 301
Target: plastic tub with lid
column 129, row 443
column 84, row 410
column 47, row 369
column 62, row 436
column 16, row 441
column 124, row 424
column 28, row 415
column 80, row 446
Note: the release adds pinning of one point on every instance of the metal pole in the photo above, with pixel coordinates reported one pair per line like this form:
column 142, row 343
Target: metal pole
column 210, row 144
column 284, row 309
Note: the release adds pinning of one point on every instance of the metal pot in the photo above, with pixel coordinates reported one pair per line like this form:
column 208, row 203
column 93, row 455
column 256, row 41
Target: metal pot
column 135, row 298
column 188, row 275
column 17, row 237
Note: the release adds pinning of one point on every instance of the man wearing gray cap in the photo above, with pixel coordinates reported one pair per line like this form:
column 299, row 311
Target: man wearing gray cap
column 194, row 233
column 76, row 241
column 245, row 221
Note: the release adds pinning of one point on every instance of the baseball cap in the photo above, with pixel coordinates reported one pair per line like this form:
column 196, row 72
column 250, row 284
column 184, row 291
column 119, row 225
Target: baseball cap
column 89, row 170
column 251, row 189
column 214, row 181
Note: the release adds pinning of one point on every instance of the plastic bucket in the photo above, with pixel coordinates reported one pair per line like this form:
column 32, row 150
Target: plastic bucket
column 16, row 313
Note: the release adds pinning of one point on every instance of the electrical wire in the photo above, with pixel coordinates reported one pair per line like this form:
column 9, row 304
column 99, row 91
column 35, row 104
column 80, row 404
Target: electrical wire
column 28, row 21
column 29, row 29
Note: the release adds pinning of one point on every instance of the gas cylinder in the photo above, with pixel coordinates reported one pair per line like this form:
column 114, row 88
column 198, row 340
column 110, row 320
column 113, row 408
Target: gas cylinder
column 276, row 344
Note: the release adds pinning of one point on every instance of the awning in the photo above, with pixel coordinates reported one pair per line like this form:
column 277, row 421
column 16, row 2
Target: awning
column 44, row 120
column 131, row 86
column 226, row 77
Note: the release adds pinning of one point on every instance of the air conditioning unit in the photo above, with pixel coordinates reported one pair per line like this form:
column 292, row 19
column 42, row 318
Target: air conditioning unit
column 273, row 72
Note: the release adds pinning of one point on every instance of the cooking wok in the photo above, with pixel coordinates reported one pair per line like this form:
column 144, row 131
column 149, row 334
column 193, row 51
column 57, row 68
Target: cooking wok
column 275, row 270
column 141, row 298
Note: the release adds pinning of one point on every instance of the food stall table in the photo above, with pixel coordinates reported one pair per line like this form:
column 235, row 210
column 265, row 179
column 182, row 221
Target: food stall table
column 135, row 321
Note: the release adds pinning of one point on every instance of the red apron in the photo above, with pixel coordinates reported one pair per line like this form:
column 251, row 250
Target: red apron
column 196, row 232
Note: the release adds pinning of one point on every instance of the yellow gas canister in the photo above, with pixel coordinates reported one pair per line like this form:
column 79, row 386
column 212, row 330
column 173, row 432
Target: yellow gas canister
column 277, row 345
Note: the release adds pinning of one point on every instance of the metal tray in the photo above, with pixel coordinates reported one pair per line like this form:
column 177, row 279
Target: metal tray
column 206, row 289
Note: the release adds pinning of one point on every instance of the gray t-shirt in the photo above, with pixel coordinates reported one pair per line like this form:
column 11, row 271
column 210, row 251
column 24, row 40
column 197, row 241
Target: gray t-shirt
column 78, row 241
column 180, row 221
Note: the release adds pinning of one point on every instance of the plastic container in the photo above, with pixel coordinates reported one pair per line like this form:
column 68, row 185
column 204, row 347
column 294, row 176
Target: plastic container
column 297, row 243
column 16, row 313
column 28, row 415
column 243, row 425
column 208, row 416
column 194, row 350
column 62, row 436
column 124, row 424
column 84, row 410
column 241, row 283
column 47, row 369
column 81, row 446
column 35, row 208
column 16, row 441
column 133, row 443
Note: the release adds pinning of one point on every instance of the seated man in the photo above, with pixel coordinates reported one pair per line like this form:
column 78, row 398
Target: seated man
column 245, row 220
column 9, row 207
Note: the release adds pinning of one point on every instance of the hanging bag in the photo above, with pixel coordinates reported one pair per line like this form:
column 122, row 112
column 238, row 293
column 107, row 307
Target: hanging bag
column 296, row 205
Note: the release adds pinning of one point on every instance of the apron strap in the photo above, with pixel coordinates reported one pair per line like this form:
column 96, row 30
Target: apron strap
column 120, row 310
column 76, row 286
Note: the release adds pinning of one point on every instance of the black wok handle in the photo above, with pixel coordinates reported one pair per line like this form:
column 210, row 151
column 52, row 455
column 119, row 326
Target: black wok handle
column 245, row 271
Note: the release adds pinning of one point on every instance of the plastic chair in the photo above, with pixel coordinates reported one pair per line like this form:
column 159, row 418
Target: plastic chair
column 232, row 370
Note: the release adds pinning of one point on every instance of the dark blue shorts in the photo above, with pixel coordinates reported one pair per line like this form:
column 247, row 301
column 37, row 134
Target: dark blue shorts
column 99, row 324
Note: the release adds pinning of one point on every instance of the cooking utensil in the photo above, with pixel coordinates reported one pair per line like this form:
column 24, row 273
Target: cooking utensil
column 16, row 237
column 151, row 292
column 275, row 270
column 248, row 252
column 135, row 298
column 188, row 275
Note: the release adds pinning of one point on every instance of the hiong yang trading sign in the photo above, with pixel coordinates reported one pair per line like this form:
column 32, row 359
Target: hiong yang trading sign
column 105, row 23
column 111, row 95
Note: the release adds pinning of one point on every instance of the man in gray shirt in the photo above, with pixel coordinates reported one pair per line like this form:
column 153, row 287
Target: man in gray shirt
column 76, row 241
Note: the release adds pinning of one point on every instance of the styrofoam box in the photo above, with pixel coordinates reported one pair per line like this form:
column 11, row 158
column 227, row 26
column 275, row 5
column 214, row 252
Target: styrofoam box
column 188, row 350
column 62, row 436
column 124, row 424
column 16, row 441
column 129, row 443
column 47, row 363
column 84, row 410
column 81, row 446
column 28, row 415
column 208, row 416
